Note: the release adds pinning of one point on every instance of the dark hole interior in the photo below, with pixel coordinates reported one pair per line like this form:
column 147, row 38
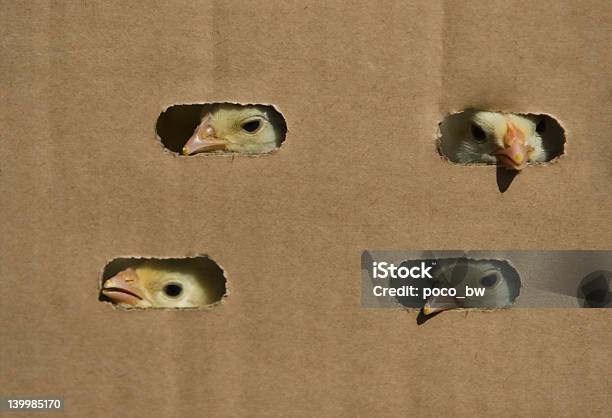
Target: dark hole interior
column 596, row 298
column 595, row 290
column 176, row 124
column 541, row 126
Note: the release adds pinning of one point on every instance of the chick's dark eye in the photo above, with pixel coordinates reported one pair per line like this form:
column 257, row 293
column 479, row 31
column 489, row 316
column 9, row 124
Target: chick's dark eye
column 477, row 132
column 541, row 126
column 488, row 280
column 251, row 126
column 173, row 290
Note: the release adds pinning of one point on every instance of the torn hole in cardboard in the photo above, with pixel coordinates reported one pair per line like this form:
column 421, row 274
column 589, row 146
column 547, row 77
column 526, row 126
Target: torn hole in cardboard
column 221, row 129
column 171, row 283
column 595, row 290
column 512, row 141
column 499, row 283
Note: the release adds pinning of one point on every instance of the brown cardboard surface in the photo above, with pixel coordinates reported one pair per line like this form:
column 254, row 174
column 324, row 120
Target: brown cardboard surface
column 362, row 87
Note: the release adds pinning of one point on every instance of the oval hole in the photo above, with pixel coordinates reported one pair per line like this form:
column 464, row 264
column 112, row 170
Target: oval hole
column 595, row 290
column 173, row 283
column 221, row 128
column 476, row 137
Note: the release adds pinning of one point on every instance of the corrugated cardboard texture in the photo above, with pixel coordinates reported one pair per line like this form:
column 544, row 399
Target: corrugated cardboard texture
column 362, row 86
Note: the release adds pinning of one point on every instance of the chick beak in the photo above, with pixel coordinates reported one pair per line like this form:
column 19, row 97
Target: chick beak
column 203, row 139
column 515, row 153
column 439, row 303
column 123, row 288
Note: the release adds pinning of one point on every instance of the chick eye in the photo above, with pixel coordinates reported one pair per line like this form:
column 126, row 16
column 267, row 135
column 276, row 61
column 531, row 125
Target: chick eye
column 173, row 290
column 251, row 126
column 477, row 132
column 541, row 126
column 489, row 280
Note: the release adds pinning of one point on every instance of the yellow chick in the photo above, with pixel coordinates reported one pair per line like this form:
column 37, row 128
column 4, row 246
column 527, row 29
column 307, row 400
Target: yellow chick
column 237, row 129
column 499, row 284
column 510, row 140
column 152, row 285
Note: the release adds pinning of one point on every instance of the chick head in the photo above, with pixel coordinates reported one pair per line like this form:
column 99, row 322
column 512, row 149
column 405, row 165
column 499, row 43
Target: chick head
column 235, row 128
column 492, row 137
column 153, row 286
column 500, row 282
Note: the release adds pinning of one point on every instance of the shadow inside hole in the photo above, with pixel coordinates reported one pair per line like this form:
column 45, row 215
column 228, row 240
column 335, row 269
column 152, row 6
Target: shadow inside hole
column 595, row 290
column 458, row 143
column 201, row 272
column 553, row 137
column 178, row 123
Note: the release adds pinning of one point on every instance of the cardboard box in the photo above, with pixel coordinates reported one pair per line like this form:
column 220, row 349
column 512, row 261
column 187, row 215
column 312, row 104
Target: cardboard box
column 362, row 87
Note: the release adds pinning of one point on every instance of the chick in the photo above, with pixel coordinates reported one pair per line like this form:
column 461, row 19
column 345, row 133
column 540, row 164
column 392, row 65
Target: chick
column 154, row 286
column 235, row 128
column 499, row 280
column 474, row 137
